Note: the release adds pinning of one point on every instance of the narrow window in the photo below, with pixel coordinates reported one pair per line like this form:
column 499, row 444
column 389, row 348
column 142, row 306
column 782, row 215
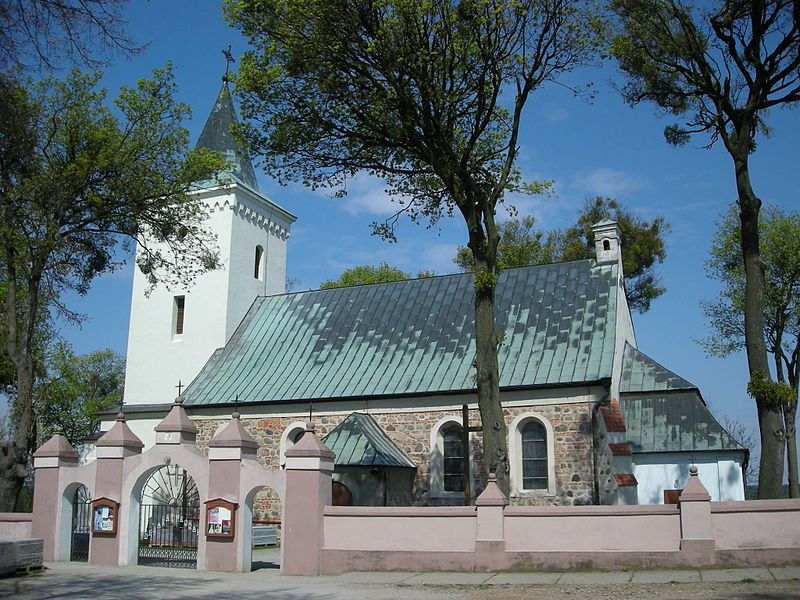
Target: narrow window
column 180, row 302
column 606, row 245
column 454, row 456
column 257, row 262
column 534, row 456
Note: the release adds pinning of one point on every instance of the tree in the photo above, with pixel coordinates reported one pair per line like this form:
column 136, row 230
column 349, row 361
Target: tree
column 428, row 96
column 78, row 183
column 722, row 66
column 779, row 233
column 43, row 33
column 642, row 247
column 366, row 274
column 75, row 390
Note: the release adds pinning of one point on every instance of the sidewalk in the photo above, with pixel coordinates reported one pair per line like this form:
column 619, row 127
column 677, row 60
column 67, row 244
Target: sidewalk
column 74, row 580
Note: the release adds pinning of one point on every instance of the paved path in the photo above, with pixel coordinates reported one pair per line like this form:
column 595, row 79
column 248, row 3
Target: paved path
column 73, row 581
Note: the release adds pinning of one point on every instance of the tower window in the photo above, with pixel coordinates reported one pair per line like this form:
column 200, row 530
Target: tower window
column 257, row 262
column 606, row 245
column 180, row 303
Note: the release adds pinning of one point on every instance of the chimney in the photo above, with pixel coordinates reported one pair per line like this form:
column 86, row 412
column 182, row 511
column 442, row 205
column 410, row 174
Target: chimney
column 607, row 241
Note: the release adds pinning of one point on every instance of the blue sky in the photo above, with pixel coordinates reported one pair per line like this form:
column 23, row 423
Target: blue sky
column 599, row 148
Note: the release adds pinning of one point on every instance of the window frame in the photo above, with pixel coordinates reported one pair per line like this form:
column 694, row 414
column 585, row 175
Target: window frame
column 515, row 455
column 286, row 440
column 258, row 263
column 436, row 460
column 178, row 316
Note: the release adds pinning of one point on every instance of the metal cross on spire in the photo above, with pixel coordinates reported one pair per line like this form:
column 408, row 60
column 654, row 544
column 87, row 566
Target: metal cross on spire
column 229, row 60
column 180, row 386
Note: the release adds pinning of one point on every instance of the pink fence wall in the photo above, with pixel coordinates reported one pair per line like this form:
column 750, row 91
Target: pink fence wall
column 448, row 538
column 15, row 526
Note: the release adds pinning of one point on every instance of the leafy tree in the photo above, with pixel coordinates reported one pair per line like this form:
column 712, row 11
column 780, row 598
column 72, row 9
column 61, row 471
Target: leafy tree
column 428, row 96
column 75, row 390
column 642, row 247
column 780, row 252
column 365, row 274
column 79, row 182
column 44, row 33
column 520, row 245
column 721, row 66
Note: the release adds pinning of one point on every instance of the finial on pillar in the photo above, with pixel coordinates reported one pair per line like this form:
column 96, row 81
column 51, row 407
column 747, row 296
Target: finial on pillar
column 120, row 417
column 235, row 414
column 310, row 427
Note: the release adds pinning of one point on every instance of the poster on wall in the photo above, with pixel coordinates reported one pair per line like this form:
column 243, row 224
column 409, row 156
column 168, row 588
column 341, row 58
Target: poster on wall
column 104, row 516
column 220, row 518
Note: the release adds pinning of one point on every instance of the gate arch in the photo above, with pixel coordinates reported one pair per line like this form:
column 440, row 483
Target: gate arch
column 169, row 519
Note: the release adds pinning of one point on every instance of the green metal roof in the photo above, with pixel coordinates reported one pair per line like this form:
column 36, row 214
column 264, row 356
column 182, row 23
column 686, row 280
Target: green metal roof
column 359, row 441
column 415, row 337
column 673, row 421
column 640, row 373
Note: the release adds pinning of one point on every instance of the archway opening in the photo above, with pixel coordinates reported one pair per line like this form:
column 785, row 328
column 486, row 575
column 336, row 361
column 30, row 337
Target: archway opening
column 265, row 511
column 169, row 519
column 81, row 524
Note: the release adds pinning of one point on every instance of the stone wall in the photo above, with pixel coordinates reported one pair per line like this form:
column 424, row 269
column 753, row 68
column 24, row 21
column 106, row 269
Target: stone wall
column 411, row 431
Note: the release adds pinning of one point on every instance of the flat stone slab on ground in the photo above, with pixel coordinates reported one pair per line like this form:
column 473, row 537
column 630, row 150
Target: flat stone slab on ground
column 524, row 578
column 781, row 573
column 447, row 578
column 596, row 577
column 666, row 576
column 750, row 574
column 390, row 577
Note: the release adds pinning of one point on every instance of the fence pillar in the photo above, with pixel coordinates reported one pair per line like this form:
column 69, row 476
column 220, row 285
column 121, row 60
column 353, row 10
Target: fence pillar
column 49, row 520
column 697, row 535
column 226, row 450
column 113, row 448
column 309, row 465
column 490, row 544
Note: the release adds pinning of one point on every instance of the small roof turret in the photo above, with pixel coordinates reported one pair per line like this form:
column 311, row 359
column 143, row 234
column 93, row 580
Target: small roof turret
column 217, row 135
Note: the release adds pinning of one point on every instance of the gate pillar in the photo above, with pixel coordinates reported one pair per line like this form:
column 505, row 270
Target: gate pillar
column 226, row 451
column 48, row 516
column 113, row 448
column 309, row 465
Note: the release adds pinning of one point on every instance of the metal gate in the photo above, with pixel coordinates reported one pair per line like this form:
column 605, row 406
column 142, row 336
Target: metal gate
column 81, row 519
column 169, row 520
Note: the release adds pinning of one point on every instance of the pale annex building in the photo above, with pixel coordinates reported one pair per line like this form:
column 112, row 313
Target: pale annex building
column 385, row 369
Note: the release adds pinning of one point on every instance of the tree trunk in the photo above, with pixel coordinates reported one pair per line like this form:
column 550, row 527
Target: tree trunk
column 790, row 420
column 493, row 423
column 770, row 418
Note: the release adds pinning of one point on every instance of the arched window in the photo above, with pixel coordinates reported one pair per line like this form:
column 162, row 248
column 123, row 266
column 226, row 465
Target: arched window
column 291, row 435
column 257, row 263
column 454, row 456
column 534, row 456
column 449, row 459
column 606, row 245
column 531, row 455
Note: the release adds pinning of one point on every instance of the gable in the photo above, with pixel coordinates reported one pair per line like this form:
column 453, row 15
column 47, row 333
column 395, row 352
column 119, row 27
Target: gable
column 416, row 337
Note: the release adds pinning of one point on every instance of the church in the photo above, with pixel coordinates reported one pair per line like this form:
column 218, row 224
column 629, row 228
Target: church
column 385, row 370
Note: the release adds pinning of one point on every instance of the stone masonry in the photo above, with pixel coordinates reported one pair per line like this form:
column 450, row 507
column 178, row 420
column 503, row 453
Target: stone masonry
column 411, row 432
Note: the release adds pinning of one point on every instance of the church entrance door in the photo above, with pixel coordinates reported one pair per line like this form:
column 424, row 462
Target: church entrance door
column 169, row 519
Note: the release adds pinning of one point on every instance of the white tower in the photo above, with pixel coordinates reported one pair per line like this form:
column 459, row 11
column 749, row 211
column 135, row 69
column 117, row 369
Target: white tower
column 173, row 332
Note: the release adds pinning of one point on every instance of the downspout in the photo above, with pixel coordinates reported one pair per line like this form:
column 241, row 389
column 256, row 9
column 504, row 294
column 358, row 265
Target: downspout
column 595, row 408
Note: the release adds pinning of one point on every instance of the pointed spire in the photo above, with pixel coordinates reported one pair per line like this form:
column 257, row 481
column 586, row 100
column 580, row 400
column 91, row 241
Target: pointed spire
column 217, row 136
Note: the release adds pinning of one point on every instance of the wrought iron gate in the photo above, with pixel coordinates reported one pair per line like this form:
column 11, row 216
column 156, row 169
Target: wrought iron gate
column 81, row 518
column 169, row 520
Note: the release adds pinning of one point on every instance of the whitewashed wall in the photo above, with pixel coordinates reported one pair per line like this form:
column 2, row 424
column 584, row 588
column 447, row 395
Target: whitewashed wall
column 214, row 306
column 720, row 472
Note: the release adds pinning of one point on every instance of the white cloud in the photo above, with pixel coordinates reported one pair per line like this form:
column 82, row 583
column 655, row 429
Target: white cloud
column 366, row 195
column 607, row 182
column 439, row 258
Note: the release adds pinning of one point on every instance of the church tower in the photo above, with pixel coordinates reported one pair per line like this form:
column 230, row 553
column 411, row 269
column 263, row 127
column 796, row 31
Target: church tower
column 173, row 332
